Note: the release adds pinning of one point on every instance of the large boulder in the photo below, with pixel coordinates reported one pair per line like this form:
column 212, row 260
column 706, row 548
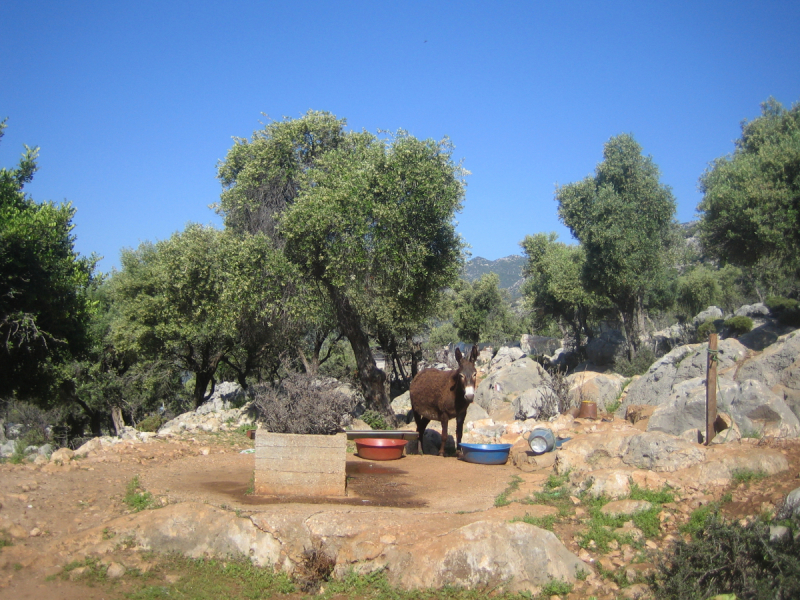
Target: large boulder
column 504, row 357
column 500, row 388
column 658, row 451
column 681, row 364
column 226, row 395
column 602, row 388
column 539, row 344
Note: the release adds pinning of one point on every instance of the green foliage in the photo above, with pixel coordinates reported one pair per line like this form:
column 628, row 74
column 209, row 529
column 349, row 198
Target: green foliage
column 640, row 364
column 5, row 539
column 739, row 325
column 746, row 476
column 554, row 283
column 43, row 308
column 556, row 587
column 210, row 579
column 136, row 497
column 749, row 201
column 662, row 496
column 704, row 286
column 786, row 310
column 623, row 219
column 483, row 312
column 724, row 557
column 151, row 423
column 513, row 485
column 546, row 522
column 710, row 326
column 375, row 420
column 200, row 298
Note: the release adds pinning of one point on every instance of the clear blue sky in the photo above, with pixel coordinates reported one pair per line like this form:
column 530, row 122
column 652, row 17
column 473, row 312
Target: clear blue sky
column 133, row 103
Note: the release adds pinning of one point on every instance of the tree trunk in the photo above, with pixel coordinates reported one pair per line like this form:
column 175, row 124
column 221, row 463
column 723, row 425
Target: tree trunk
column 373, row 380
column 116, row 417
column 201, row 381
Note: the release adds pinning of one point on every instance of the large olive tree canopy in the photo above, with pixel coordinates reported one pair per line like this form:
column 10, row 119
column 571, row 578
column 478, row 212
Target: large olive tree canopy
column 751, row 198
column 623, row 218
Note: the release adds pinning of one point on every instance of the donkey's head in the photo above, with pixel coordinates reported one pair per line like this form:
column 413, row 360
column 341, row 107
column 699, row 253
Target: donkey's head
column 465, row 374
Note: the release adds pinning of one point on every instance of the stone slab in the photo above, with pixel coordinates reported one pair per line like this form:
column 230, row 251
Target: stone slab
column 300, row 465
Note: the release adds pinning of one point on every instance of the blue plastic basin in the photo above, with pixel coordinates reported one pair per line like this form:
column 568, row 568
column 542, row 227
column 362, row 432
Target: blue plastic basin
column 485, row 454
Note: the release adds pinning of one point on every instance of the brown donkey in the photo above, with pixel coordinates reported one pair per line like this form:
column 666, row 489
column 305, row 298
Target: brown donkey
column 441, row 395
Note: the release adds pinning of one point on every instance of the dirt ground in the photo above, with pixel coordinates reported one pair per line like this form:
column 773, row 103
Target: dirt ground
column 43, row 504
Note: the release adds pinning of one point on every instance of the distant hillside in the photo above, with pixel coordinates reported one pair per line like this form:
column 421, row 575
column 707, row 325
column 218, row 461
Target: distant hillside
column 508, row 269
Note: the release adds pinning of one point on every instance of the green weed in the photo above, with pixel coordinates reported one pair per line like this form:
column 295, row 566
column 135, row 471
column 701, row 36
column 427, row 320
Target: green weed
column 136, row 497
column 502, row 499
column 545, row 522
column 746, row 476
column 556, row 587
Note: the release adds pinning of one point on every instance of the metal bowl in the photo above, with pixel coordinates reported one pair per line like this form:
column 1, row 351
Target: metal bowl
column 485, row 454
column 380, row 448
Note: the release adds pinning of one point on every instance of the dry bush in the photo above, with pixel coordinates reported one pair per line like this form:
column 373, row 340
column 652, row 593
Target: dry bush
column 302, row 404
column 315, row 569
column 556, row 397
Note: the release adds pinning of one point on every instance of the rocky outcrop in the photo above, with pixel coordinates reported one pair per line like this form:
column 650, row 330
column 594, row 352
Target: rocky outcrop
column 602, row 388
column 486, row 552
column 539, row 345
column 500, row 388
column 219, row 413
column 657, row 451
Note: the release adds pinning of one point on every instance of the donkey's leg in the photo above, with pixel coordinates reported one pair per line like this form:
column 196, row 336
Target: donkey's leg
column 422, row 423
column 459, row 430
column 444, row 434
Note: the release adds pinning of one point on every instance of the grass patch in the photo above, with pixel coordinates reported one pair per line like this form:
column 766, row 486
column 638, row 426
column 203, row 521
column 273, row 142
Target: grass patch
column 555, row 494
column 513, row 486
column 746, row 476
column 205, row 579
column 136, row 497
column 92, row 571
column 545, row 522
column 5, row 539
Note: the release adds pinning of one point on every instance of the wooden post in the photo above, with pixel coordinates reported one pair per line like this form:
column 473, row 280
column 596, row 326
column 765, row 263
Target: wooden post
column 711, row 388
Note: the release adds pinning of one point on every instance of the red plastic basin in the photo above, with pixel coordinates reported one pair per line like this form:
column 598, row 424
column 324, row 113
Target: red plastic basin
column 380, row 448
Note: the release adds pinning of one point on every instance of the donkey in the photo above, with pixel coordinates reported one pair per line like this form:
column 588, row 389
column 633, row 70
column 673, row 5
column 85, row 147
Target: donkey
column 441, row 395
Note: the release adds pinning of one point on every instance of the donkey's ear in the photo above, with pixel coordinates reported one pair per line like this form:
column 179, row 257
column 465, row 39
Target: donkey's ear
column 459, row 356
column 473, row 356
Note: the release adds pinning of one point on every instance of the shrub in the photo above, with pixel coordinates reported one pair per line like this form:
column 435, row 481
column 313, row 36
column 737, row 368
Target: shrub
column 302, row 404
column 375, row 420
column 727, row 558
column 786, row 310
column 151, row 423
column 136, row 497
column 638, row 366
column 739, row 325
column 707, row 328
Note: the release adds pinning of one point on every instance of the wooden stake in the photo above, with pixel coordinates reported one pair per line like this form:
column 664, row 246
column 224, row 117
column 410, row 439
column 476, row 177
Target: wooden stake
column 711, row 388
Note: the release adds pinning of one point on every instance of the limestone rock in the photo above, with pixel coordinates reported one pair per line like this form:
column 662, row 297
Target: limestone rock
column 791, row 506
column 606, row 348
column 625, row 507
column 226, row 396
column 62, row 455
column 661, row 452
column 539, row 345
column 752, row 310
column 602, row 388
column 504, row 357
column 503, row 386
column 115, row 570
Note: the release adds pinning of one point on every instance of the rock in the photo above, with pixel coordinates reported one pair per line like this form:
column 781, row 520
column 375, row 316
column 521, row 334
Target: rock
column 668, row 339
column 791, row 506
column 486, row 554
column 531, row 404
column 625, row 507
column 45, row 450
column 115, row 570
column 226, row 396
column 611, row 483
column 62, row 455
column 752, row 310
column 401, row 406
column 660, row 452
column 722, row 465
column 40, row 460
column 539, row 345
column 504, row 357
column 35, row 532
column 779, row 533
column 601, row 388
column 7, row 449
column 756, row 408
column 637, row 412
column 606, row 348
column 503, row 386
column 712, row 313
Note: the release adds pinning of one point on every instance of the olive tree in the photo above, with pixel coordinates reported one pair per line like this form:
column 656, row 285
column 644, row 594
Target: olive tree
column 750, row 211
column 373, row 225
column 43, row 283
column 554, row 284
column 623, row 218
